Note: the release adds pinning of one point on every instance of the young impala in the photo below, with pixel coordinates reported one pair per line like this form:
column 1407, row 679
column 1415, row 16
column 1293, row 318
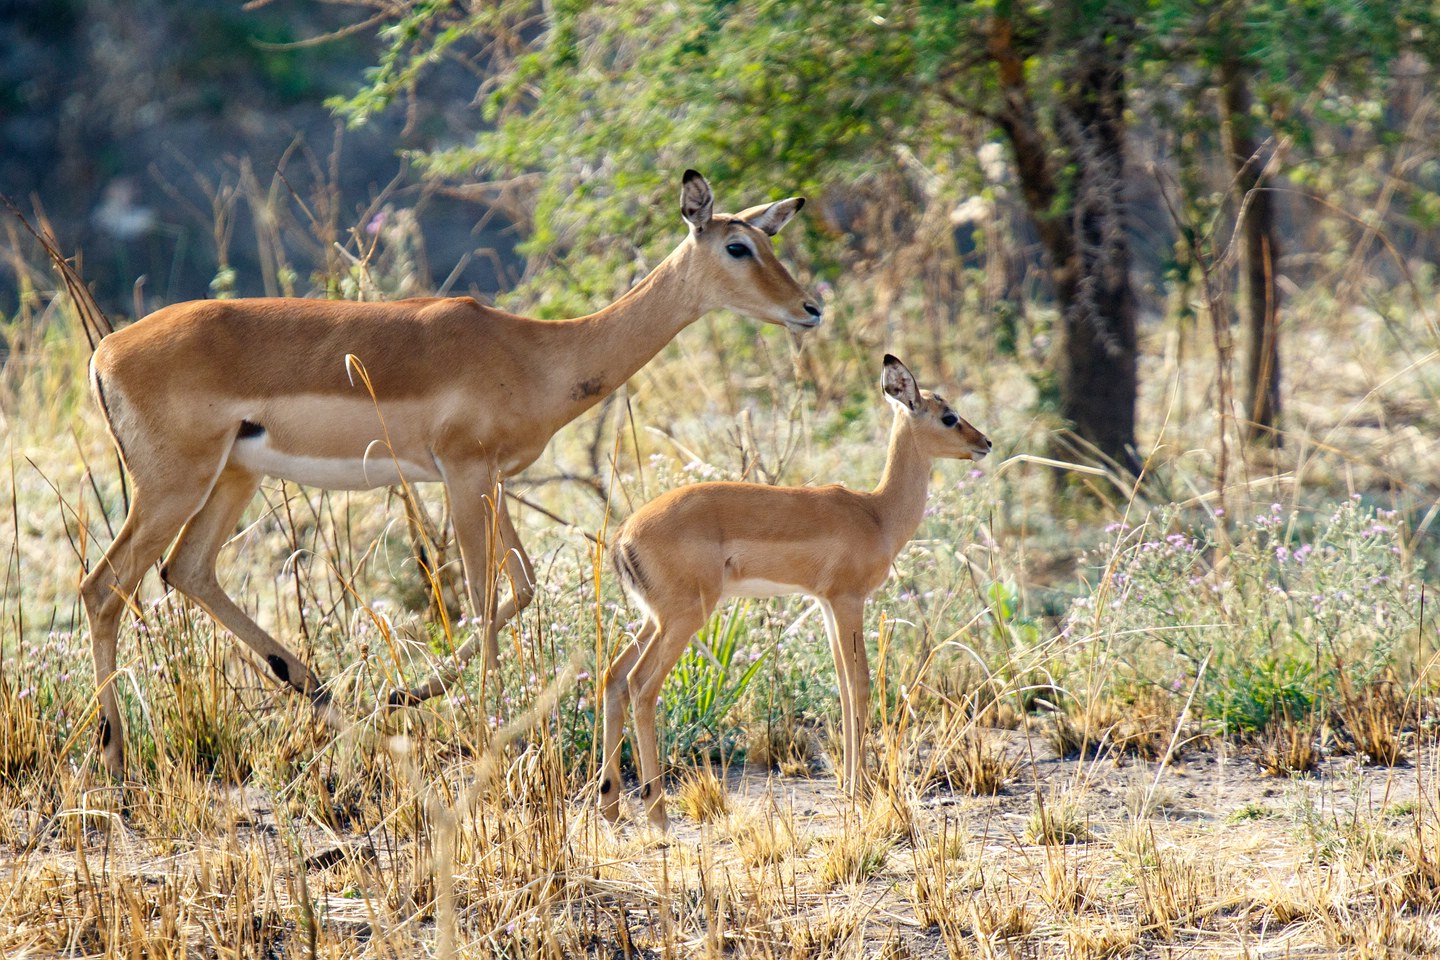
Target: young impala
column 205, row 398
column 684, row 552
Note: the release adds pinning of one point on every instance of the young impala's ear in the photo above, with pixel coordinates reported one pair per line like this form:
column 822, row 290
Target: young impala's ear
column 772, row 217
column 899, row 383
column 697, row 203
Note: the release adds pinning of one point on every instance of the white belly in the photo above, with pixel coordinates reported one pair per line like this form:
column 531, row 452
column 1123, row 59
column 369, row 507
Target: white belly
column 377, row 469
column 760, row 588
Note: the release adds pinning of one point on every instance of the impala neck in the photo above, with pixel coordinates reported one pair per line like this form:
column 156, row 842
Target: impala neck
column 590, row 357
column 901, row 493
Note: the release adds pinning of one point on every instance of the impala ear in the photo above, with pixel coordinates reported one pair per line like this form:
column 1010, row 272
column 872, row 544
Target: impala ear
column 772, row 217
column 697, row 203
column 899, row 383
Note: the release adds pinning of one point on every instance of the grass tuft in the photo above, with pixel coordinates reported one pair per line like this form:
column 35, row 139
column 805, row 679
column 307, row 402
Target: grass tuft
column 702, row 796
column 1289, row 749
column 973, row 763
column 1057, row 822
column 854, row 856
column 1375, row 718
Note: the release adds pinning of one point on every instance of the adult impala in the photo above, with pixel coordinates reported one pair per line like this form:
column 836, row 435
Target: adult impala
column 684, row 552
column 203, row 399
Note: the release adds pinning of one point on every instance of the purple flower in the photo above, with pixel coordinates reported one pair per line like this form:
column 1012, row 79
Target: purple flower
column 376, row 222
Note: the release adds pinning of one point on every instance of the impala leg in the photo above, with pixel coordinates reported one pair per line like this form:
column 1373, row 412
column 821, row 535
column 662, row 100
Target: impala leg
column 520, row 573
column 844, row 622
column 832, row 632
column 190, row 568
column 426, row 539
column 616, row 686
column 156, row 516
column 646, row 677
column 475, row 508
column 849, row 614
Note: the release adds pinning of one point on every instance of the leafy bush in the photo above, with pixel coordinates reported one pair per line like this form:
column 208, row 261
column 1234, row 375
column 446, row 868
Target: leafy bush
column 1267, row 610
column 704, row 686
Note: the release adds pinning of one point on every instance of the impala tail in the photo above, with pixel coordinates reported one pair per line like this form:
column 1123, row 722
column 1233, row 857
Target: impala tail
column 626, row 556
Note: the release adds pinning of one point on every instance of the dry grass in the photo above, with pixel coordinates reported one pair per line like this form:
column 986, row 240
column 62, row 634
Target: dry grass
column 782, row 744
column 767, row 837
column 1375, row 718
column 1142, row 724
column 854, row 857
column 701, row 795
column 1289, row 748
column 1057, row 820
column 973, row 763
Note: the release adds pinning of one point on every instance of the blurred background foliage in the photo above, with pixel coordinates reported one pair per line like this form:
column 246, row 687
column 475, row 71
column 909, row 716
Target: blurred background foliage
column 1106, row 114
column 1052, row 178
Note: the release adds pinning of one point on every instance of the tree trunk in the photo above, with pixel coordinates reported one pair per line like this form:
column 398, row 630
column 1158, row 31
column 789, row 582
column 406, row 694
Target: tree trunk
column 1083, row 229
column 1260, row 249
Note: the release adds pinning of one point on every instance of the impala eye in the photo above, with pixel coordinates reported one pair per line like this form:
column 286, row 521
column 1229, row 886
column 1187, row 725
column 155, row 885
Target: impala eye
column 737, row 250
column 949, row 419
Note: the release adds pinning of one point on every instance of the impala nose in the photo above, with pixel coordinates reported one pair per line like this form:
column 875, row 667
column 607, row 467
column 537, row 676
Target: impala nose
column 813, row 310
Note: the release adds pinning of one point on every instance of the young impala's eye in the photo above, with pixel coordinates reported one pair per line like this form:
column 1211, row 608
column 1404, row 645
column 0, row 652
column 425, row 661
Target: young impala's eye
column 737, row 250
column 949, row 419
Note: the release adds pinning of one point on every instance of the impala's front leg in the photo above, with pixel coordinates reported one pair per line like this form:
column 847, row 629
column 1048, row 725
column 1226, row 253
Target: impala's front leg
column 844, row 621
column 476, row 509
column 521, row 576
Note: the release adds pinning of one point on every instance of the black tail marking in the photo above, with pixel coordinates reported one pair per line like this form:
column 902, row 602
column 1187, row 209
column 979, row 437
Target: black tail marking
column 248, row 429
column 627, row 564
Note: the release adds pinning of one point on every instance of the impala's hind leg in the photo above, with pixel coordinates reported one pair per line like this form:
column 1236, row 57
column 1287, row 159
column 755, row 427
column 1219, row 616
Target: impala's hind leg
column 520, row 575
column 190, row 568
column 616, row 686
column 656, row 661
column 157, row 513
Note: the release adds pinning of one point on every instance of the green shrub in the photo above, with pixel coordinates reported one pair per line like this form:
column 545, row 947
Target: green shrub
column 1267, row 610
